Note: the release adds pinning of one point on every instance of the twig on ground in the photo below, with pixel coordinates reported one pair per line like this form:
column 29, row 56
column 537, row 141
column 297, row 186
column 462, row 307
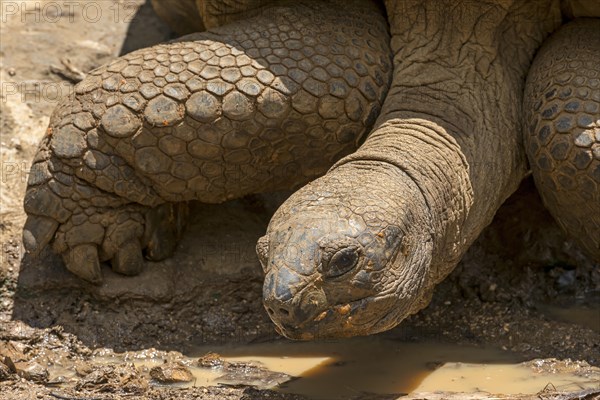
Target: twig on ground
column 69, row 72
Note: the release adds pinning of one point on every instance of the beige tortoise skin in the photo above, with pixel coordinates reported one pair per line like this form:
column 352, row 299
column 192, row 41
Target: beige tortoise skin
column 413, row 121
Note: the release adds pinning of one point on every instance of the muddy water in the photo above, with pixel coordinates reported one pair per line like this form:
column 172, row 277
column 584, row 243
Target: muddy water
column 373, row 365
column 370, row 365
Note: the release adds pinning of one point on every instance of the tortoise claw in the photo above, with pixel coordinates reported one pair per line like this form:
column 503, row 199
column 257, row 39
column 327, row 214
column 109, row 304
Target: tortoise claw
column 82, row 260
column 162, row 244
column 128, row 260
column 37, row 233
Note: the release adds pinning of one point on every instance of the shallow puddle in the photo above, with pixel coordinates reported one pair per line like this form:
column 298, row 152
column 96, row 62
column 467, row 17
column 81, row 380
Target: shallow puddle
column 371, row 365
column 343, row 369
column 501, row 378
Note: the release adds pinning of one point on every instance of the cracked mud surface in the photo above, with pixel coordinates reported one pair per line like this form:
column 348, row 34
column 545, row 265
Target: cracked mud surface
column 501, row 295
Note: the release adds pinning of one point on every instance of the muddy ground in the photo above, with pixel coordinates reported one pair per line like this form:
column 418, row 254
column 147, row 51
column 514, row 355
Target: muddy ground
column 210, row 292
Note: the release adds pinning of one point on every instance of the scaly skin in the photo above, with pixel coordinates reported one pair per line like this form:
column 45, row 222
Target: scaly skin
column 189, row 16
column 563, row 129
column 263, row 104
column 445, row 153
column 357, row 250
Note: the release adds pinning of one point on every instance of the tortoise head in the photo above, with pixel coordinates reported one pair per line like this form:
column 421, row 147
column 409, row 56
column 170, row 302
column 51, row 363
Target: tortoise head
column 346, row 259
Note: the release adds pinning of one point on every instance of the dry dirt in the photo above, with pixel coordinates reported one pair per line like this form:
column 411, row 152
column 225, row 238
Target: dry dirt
column 210, row 292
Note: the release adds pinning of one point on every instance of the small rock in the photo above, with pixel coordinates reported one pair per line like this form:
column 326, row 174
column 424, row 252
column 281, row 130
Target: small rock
column 210, row 360
column 110, row 378
column 20, row 331
column 12, row 351
column 566, row 366
column 32, row 371
column 82, row 368
column 59, row 380
column 5, row 372
column 10, row 364
column 248, row 374
column 171, row 373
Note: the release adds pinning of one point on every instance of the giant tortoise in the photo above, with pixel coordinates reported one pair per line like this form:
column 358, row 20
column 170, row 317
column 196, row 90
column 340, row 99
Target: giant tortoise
column 403, row 125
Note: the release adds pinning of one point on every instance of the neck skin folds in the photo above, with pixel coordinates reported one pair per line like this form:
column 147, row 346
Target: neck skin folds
column 452, row 118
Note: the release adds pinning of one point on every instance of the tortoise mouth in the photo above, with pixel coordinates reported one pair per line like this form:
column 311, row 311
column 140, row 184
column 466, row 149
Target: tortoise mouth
column 345, row 319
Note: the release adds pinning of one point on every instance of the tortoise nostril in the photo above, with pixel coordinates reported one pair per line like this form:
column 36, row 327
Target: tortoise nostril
column 270, row 311
column 284, row 312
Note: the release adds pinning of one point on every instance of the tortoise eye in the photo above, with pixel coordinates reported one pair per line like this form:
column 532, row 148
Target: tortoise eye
column 341, row 262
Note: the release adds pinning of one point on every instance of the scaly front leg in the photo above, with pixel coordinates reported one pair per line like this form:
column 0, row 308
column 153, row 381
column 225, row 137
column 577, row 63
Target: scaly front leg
column 263, row 104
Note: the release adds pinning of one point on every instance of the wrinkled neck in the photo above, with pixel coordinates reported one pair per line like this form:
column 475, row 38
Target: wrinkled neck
column 452, row 118
column 429, row 162
column 465, row 61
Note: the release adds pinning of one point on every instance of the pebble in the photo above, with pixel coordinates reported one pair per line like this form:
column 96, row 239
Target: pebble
column 32, row 371
column 171, row 373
